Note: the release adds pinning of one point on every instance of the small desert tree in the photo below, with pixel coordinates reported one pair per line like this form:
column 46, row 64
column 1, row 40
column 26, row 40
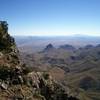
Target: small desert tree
column 5, row 40
column 3, row 27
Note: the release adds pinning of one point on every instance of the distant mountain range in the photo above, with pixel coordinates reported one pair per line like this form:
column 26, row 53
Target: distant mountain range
column 37, row 43
column 77, row 68
column 74, row 61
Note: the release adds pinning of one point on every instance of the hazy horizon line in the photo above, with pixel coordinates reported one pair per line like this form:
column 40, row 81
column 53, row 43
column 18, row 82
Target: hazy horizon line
column 72, row 35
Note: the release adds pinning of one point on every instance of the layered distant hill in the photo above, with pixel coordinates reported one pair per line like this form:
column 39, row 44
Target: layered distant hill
column 33, row 43
column 77, row 68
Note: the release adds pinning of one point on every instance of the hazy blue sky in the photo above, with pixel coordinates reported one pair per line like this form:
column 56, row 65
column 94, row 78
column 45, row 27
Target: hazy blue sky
column 51, row 17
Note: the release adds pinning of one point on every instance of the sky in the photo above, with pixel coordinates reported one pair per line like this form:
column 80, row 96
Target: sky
column 51, row 17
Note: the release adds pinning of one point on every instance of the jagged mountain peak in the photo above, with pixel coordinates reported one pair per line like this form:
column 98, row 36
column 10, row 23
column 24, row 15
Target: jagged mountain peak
column 49, row 47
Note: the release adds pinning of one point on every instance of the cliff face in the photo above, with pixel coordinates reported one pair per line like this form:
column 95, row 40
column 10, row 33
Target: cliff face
column 17, row 82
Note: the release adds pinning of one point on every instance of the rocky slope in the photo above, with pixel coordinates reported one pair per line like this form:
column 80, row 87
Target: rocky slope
column 18, row 82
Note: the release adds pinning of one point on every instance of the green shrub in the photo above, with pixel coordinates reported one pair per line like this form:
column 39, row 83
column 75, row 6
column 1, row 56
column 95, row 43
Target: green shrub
column 46, row 75
column 4, row 72
column 26, row 69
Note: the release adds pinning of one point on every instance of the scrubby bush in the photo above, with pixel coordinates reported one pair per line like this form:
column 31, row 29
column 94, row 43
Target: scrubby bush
column 87, row 83
column 46, row 75
column 27, row 69
column 6, row 41
column 4, row 72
